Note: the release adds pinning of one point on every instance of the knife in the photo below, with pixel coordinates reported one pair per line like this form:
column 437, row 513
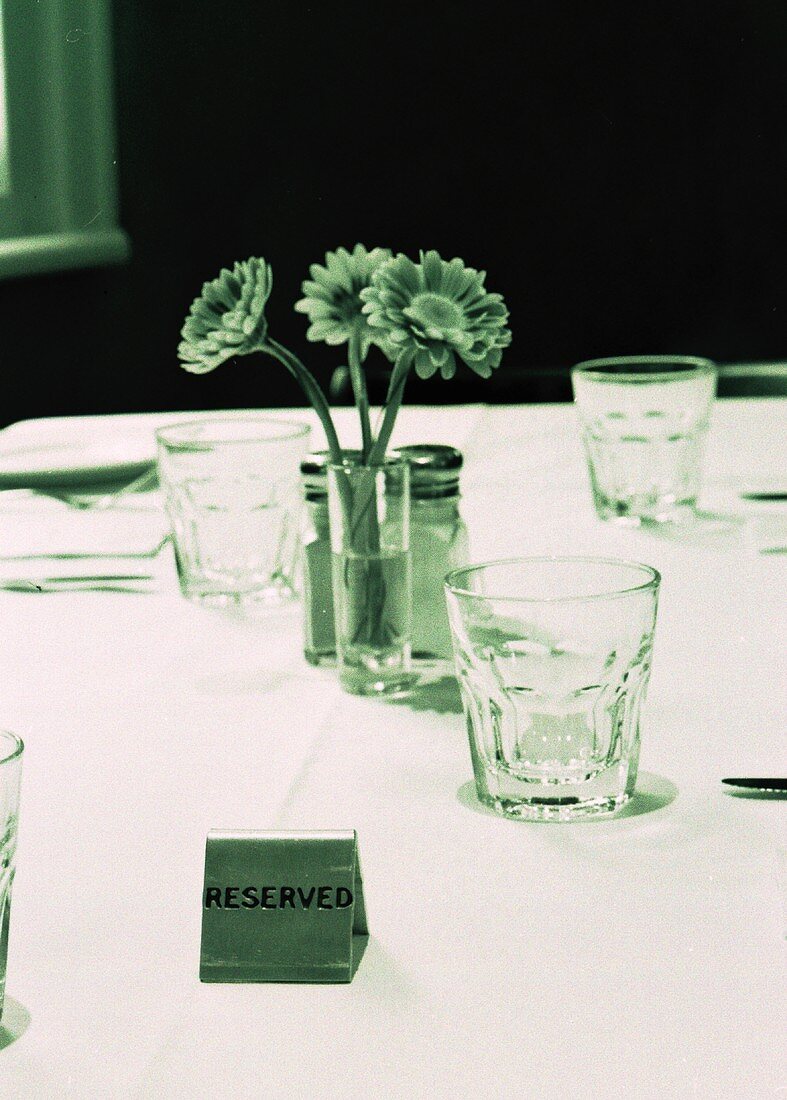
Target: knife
column 758, row 784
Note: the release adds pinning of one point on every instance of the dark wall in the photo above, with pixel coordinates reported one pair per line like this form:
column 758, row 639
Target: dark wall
column 618, row 169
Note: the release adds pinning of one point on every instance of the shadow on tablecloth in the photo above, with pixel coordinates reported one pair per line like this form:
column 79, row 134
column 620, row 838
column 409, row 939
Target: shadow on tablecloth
column 16, row 1020
column 439, row 695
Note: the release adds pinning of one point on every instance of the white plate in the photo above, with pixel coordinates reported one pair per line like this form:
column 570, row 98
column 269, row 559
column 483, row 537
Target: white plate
column 68, row 452
column 61, row 463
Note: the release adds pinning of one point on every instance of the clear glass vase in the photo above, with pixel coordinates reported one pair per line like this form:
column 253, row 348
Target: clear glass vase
column 369, row 510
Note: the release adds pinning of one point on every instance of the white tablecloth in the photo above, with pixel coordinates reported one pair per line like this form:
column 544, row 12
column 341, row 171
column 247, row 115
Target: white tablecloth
column 633, row 957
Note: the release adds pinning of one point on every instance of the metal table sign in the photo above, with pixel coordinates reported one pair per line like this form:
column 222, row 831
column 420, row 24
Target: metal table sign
column 282, row 907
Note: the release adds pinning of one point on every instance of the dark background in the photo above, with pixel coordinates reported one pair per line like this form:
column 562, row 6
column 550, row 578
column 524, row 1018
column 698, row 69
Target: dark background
column 619, row 170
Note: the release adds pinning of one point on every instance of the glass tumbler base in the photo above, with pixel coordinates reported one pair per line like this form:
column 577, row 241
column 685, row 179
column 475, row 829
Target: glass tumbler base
column 557, row 809
column 629, row 513
column 247, row 600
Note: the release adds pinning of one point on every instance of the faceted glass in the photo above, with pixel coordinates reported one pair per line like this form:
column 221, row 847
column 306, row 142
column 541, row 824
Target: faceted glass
column 233, row 499
column 553, row 658
column 11, row 750
column 644, row 421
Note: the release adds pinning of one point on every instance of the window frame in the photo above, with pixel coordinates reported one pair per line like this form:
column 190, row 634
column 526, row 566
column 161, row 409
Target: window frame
column 61, row 208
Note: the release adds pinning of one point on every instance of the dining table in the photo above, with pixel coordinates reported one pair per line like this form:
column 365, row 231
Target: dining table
column 640, row 955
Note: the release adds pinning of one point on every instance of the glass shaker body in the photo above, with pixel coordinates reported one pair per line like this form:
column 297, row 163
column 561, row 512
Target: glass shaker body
column 438, row 543
column 318, row 627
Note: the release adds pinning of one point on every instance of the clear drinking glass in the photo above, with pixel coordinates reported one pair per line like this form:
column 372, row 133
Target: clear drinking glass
column 232, row 490
column 369, row 509
column 644, row 421
column 11, row 750
column 553, row 659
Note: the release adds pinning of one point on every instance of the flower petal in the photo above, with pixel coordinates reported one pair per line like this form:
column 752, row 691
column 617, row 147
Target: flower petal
column 424, row 366
column 439, row 353
column 432, row 267
column 448, row 368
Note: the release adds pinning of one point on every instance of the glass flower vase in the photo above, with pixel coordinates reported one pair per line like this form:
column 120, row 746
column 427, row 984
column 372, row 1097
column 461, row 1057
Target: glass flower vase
column 369, row 508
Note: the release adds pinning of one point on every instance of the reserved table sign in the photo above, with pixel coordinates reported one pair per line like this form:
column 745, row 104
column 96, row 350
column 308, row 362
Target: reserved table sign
column 282, row 907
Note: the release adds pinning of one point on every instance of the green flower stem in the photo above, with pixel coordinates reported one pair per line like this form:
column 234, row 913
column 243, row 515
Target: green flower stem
column 392, row 404
column 361, row 505
column 360, row 512
column 362, row 576
column 359, row 392
column 308, row 384
column 369, row 623
column 364, row 518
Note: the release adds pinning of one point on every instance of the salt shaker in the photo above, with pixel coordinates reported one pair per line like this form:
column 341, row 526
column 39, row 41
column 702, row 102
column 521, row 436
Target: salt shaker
column 438, row 542
column 319, row 637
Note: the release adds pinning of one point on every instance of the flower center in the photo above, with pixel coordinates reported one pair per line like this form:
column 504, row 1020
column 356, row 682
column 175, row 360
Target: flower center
column 347, row 304
column 436, row 311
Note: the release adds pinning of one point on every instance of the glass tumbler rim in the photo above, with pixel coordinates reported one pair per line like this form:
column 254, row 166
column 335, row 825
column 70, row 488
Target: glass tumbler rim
column 166, row 436
column 674, row 368
column 16, row 747
column 651, row 583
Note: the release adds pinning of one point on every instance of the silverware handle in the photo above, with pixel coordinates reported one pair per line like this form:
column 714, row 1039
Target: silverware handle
column 757, row 784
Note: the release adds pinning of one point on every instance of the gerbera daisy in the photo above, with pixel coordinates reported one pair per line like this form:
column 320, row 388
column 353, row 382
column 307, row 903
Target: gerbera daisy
column 437, row 310
column 332, row 299
column 228, row 318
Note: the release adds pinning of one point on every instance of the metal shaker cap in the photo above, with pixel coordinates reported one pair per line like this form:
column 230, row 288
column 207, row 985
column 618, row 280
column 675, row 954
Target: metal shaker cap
column 434, row 470
column 314, row 473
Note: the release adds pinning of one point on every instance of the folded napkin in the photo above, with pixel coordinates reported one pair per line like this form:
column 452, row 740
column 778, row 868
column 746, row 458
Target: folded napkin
column 65, row 542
